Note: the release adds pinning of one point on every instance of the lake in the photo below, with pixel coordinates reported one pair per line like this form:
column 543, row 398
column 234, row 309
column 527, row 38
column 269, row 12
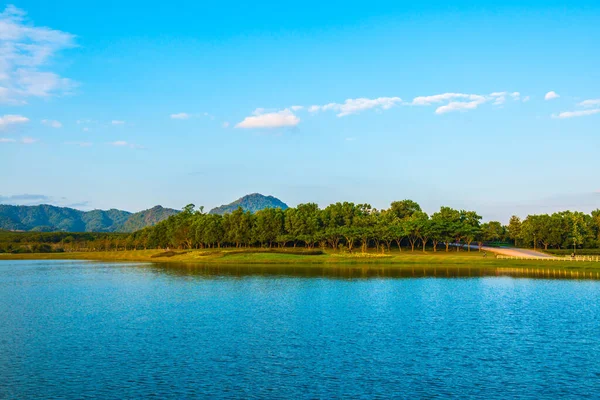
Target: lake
column 71, row 329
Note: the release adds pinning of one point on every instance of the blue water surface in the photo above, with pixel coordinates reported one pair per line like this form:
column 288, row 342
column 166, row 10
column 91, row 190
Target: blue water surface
column 72, row 329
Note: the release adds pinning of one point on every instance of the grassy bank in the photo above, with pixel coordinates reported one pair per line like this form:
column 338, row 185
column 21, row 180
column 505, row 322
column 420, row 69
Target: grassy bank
column 300, row 257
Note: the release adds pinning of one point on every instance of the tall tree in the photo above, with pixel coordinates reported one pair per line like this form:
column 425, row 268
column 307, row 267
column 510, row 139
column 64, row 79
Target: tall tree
column 448, row 223
column 416, row 228
column 514, row 229
column 469, row 227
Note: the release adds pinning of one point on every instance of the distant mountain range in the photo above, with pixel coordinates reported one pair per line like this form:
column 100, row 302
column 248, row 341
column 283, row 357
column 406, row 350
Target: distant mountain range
column 253, row 202
column 47, row 218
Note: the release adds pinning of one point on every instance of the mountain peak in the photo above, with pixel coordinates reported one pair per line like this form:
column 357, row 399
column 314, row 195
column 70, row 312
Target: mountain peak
column 251, row 202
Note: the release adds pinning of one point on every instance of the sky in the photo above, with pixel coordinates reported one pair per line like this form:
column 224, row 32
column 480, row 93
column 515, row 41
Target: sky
column 488, row 106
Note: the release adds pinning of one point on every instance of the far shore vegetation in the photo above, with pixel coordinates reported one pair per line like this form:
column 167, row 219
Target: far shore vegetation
column 344, row 228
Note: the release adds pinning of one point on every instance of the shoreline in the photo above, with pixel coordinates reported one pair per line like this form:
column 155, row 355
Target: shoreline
column 395, row 260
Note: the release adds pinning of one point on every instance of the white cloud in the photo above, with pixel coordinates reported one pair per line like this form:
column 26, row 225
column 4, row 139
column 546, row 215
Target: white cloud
column 7, row 140
column 25, row 50
column 86, row 129
column 551, row 95
column 499, row 100
column 526, row 99
column 353, row 106
column 85, row 121
column 458, row 106
column 350, row 139
column 52, row 123
column 277, row 119
column 28, row 140
column 454, row 102
column 117, row 122
column 225, row 124
column 574, row 114
column 474, row 101
column 462, row 101
column 581, row 113
column 439, row 98
column 180, row 116
column 10, row 119
column 590, row 103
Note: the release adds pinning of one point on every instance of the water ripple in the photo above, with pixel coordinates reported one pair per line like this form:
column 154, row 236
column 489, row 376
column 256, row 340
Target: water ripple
column 79, row 330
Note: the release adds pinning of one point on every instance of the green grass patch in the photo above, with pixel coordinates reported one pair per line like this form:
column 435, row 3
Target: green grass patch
column 297, row 252
column 168, row 254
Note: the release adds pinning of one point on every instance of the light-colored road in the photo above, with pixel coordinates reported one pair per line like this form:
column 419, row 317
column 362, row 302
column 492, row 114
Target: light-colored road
column 514, row 252
column 511, row 251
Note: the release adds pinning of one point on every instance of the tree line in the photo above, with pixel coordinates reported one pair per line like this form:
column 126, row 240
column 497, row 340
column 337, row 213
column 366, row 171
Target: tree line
column 50, row 242
column 359, row 227
column 341, row 226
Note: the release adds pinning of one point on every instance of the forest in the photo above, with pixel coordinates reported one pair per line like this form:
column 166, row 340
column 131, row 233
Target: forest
column 341, row 226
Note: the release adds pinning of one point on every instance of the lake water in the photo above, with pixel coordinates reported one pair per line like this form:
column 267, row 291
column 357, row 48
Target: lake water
column 71, row 329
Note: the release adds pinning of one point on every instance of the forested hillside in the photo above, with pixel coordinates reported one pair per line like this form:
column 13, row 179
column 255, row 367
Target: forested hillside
column 253, row 202
column 47, row 218
column 146, row 218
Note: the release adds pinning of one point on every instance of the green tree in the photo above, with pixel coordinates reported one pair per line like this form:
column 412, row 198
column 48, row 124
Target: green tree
column 435, row 231
column 536, row 229
column 384, row 227
column 416, row 228
column 180, row 228
column 514, row 229
column 578, row 229
column 214, row 234
column 238, row 227
column 268, row 225
column 405, row 209
column 303, row 223
column 338, row 219
column 595, row 227
column 469, row 227
column 448, row 223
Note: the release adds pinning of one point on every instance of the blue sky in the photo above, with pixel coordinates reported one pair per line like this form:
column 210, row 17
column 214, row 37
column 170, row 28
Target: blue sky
column 492, row 106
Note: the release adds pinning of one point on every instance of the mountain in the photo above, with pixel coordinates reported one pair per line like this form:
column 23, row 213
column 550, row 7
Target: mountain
column 145, row 218
column 253, row 202
column 47, row 218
